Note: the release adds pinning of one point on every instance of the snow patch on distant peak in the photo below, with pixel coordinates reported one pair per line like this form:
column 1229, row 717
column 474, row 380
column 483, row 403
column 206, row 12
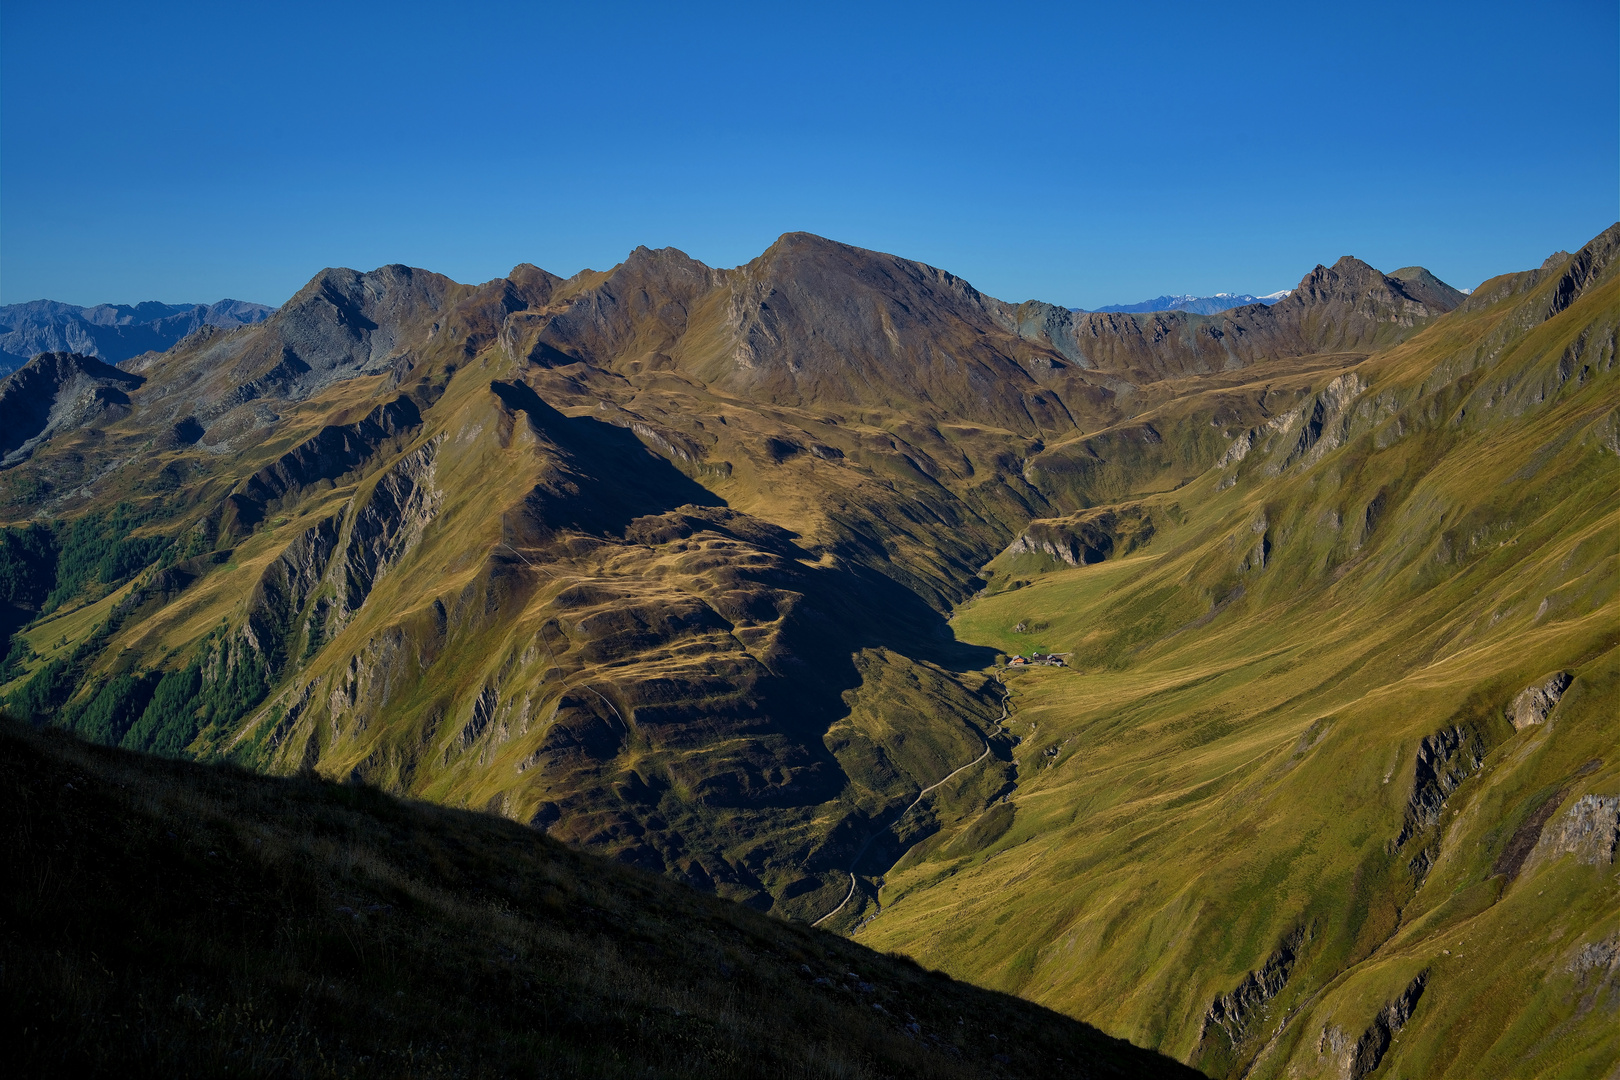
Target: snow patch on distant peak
column 1197, row 305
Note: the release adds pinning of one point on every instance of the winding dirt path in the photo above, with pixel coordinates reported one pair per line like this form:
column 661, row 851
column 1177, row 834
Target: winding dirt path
column 1006, row 700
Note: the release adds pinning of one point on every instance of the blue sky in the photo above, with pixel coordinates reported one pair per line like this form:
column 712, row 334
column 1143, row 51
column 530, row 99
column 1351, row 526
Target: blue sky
column 1083, row 154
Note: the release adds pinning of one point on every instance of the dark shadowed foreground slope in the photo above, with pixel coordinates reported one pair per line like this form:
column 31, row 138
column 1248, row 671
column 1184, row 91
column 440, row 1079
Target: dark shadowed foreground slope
column 165, row 918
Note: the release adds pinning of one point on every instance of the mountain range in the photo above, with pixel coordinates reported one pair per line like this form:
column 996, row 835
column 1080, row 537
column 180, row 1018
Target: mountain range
column 716, row 573
column 111, row 332
column 1198, row 305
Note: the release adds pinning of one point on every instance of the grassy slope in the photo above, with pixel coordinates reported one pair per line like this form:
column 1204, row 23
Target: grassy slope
column 1343, row 612
column 1232, row 759
column 754, row 755
column 164, row 918
column 487, row 466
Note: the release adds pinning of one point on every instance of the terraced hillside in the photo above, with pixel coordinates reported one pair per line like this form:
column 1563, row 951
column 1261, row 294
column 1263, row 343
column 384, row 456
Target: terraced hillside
column 1329, row 785
column 671, row 562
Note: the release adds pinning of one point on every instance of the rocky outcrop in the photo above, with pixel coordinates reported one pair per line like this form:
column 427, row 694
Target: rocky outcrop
column 1300, row 435
column 1597, row 959
column 1536, row 702
column 333, row 451
column 284, row 590
column 1346, row 1060
column 1589, row 830
column 58, row 392
column 389, row 524
column 1444, row 760
column 1585, row 268
column 1229, row 1017
column 1086, row 537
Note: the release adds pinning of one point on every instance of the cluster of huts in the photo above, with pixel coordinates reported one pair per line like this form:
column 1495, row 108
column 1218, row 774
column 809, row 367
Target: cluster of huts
column 1049, row 659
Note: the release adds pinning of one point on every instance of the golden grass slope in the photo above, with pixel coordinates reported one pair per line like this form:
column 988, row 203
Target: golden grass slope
column 1274, row 819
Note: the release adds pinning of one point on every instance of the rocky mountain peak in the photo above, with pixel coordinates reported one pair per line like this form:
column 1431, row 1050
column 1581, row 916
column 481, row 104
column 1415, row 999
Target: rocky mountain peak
column 1352, row 305
column 345, row 322
column 529, row 279
column 1350, row 279
column 666, row 269
column 57, row 391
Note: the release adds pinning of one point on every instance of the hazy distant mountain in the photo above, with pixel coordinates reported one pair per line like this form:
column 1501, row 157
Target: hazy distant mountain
column 1197, row 305
column 110, row 332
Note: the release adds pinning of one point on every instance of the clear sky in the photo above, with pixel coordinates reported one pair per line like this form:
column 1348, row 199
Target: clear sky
column 1079, row 153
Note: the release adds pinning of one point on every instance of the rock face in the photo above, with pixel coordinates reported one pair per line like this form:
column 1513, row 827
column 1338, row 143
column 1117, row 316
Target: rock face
column 1444, row 760
column 1346, row 1060
column 391, row 522
column 1535, row 703
column 1597, row 958
column 1589, row 830
column 345, row 323
column 1087, row 537
column 335, row 450
column 112, row 333
column 1231, row 1016
column 341, row 325
column 55, row 393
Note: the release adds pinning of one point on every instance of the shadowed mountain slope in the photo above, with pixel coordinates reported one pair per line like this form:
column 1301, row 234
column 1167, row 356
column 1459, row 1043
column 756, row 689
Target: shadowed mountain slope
column 168, row 919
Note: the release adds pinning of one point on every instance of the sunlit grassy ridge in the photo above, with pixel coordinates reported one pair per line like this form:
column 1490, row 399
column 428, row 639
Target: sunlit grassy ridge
column 1226, row 771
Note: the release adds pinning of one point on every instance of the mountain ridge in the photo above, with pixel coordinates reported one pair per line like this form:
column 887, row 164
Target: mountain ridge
column 1194, row 305
column 659, row 559
column 111, row 332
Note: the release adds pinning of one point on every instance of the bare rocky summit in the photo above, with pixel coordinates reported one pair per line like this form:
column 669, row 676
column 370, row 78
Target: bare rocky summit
column 58, row 393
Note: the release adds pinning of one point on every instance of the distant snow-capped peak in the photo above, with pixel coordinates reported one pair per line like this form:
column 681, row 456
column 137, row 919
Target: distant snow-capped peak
column 1198, row 305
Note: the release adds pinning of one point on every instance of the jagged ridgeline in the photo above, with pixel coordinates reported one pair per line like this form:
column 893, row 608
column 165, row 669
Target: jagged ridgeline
column 660, row 559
